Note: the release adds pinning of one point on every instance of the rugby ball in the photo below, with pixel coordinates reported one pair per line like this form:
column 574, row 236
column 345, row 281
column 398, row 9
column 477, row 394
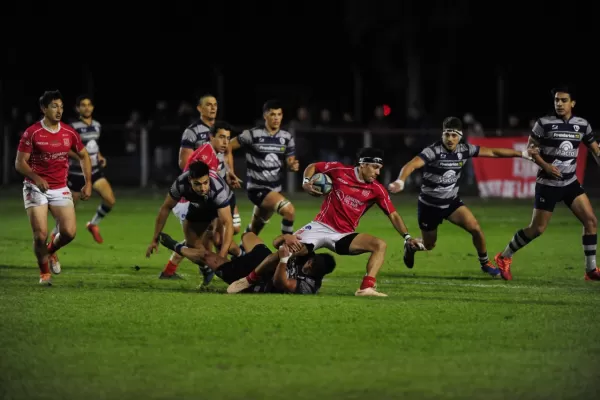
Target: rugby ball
column 321, row 182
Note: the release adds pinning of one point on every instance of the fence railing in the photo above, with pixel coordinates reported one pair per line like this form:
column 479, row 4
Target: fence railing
column 145, row 157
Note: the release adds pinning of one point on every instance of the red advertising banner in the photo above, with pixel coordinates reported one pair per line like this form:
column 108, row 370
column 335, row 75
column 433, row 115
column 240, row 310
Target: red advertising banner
column 511, row 177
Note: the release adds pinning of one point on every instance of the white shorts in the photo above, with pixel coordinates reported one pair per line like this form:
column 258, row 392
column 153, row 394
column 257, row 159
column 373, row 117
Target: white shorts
column 33, row 196
column 181, row 210
column 320, row 235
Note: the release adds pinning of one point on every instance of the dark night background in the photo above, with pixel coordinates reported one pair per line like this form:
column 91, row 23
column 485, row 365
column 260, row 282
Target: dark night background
column 306, row 53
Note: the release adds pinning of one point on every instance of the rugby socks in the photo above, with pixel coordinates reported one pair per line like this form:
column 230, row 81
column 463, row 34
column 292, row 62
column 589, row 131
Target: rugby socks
column 589, row 248
column 52, row 246
column 518, row 242
column 55, row 230
column 252, row 277
column 368, row 282
column 170, row 268
column 483, row 258
column 101, row 212
column 287, row 226
column 44, row 268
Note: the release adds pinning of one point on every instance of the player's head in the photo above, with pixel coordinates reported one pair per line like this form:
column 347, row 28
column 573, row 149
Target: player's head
column 452, row 132
column 564, row 100
column 84, row 105
column 52, row 106
column 207, row 106
column 199, row 178
column 220, row 134
column 318, row 265
column 370, row 162
column 273, row 114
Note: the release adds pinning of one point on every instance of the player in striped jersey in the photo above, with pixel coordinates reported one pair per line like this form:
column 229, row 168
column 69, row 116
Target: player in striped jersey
column 269, row 150
column 559, row 137
column 442, row 163
column 89, row 131
column 210, row 198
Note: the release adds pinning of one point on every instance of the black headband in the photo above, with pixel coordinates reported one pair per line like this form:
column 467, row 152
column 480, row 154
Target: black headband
column 370, row 160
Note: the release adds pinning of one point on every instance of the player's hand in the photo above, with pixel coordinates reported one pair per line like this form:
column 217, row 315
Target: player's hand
column 533, row 151
column 41, row 184
column 293, row 243
column 101, row 161
column 152, row 248
column 284, row 251
column 552, row 170
column 233, row 180
column 396, row 186
column 86, row 191
column 416, row 244
column 310, row 189
column 294, row 166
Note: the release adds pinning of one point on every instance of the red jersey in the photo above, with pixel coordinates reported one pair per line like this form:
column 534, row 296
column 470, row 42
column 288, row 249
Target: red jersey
column 205, row 153
column 50, row 152
column 350, row 197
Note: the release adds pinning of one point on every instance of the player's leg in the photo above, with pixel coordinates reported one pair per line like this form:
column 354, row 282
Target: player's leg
column 464, row 218
column 200, row 256
column 63, row 210
column 237, row 220
column 270, row 203
column 195, row 229
column 104, row 189
column 180, row 211
column 546, row 198
column 234, row 249
column 359, row 243
column 260, row 217
column 582, row 208
column 55, row 230
column 38, row 219
column 429, row 218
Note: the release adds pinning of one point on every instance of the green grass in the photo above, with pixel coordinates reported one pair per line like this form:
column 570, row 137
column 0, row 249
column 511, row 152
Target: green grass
column 446, row 331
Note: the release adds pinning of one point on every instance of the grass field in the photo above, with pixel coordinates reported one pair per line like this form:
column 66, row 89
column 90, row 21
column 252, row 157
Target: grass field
column 108, row 331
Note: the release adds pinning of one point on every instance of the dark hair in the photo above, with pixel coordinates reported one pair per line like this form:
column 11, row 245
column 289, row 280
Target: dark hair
column 49, row 96
column 453, row 123
column 219, row 125
column 323, row 264
column 271, row 105
column 198, row 169
column 564, row 89
column 81, row 98
column 204, row 97
column 369, row 153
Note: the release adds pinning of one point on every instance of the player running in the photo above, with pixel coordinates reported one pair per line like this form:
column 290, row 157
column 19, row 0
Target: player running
column 442, row 163
column 89, row 131
column 559, row 137
column 355, row 190
column 209, row 197
column 280, row 272
column 267, row 149
column 43, row 158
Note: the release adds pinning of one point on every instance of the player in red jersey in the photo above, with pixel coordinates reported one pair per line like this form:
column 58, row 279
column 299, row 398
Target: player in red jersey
column 42, row 157
column 208, row 153
column 355, row 190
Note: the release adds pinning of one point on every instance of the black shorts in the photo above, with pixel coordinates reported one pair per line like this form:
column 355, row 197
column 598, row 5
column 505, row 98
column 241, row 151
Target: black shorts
column 546, row 196
column 430, row 217
column 257, row 196
column 76, row 182
column 240, row 267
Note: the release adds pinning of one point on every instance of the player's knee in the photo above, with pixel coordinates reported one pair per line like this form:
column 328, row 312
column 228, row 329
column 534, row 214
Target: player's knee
column 67, row 233
column 475, row 230
column 110, row 202
column 39, row 238
column 535, row 230
column 591, row 224
column 286, row 209
column 429, row 244
column 236, row 229
column 379, row 246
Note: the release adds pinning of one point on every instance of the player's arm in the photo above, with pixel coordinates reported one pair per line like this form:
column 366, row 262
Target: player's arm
column 280, row 279
column 86, row 165
column 22, row 167
column 534, row 142
column 290, row 155
column 292, row 242
column 186, row 148
column 292, row 163
column 408, row 168
column 161, row 219
column 493, row 152
column 234, row 144
column 309, row 171
column 73, row 155
column 184, row 155
column 224, row 215
column 595, row 150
